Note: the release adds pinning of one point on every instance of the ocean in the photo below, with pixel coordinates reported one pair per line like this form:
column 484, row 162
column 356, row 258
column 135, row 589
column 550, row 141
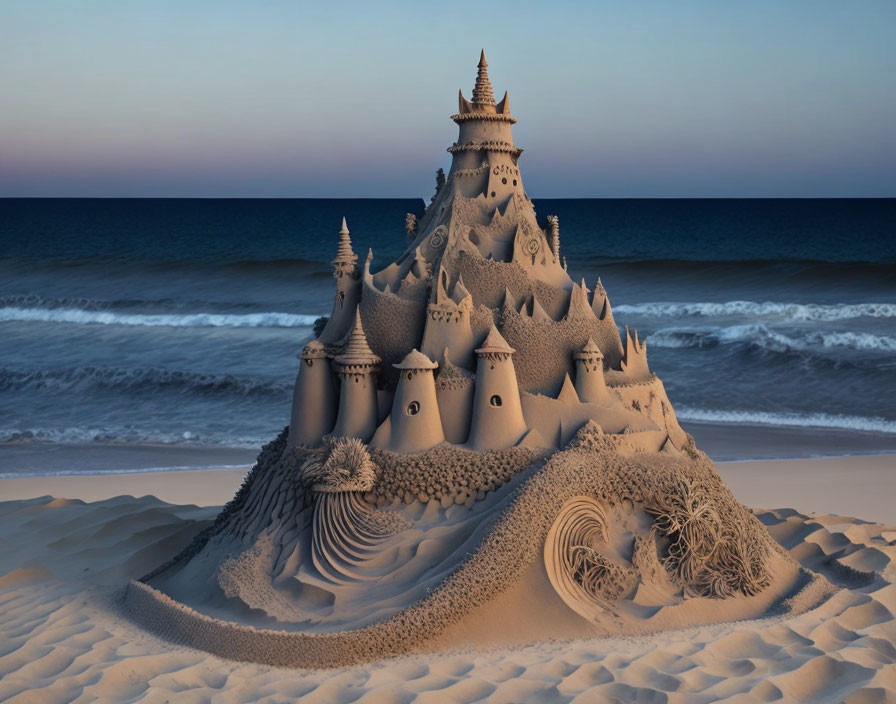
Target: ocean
column 177, row 322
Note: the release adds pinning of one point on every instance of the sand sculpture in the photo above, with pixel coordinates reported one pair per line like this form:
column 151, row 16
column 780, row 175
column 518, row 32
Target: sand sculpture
column 475, row 456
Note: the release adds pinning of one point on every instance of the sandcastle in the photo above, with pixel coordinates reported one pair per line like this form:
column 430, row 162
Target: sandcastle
column 475, row 456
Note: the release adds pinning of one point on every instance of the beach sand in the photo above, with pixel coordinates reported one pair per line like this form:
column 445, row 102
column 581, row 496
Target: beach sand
column 63, row 563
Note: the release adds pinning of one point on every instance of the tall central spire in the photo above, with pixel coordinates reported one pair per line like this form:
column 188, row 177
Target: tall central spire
column 482, row 92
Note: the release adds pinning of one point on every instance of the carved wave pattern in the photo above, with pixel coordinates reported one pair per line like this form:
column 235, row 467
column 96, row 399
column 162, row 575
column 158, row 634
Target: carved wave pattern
column 348, row 533
column 587, row 581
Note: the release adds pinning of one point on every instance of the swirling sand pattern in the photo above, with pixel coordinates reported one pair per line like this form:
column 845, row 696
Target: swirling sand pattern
column 346, row 533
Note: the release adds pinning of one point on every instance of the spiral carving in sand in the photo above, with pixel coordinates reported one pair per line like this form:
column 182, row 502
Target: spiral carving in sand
column 347, row 532
column 586, row 579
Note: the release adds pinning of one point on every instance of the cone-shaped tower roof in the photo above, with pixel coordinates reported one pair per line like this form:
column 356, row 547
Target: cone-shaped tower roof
column 344, row 252
column 590, row 351
column 495, row 344
column 482, row 91
column 416, row 360
column 357, row 352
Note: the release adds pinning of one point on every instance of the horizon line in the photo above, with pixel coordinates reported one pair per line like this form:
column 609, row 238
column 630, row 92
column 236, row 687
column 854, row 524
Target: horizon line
column 893, row 197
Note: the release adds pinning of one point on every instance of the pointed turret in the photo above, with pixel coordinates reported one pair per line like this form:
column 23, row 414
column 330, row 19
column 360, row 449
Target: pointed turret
column 590, row 383
column 497, row 419
column 553, row 235
column 415, row 423
column 568, row 394
column 313, row 399
column 357, row 352
column 368, row 277
column 357, row 366
column 482, row 91
column 344, row 252
column 348, row 289
column 495, row 345
column 634, row 357
column 578, row 302
column 600, row 303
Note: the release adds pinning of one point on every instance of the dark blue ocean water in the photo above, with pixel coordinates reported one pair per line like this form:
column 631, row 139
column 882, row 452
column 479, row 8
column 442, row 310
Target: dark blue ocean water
column 179, row 321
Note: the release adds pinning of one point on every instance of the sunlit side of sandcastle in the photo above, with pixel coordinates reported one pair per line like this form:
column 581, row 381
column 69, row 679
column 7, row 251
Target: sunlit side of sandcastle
column 475, row 456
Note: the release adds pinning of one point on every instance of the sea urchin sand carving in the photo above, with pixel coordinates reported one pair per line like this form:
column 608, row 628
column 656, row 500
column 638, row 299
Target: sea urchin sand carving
column 475, row 457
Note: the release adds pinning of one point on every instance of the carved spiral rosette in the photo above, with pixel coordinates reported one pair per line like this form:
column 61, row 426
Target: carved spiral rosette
column 581, row 574
column 531, row 246
column 438, row 238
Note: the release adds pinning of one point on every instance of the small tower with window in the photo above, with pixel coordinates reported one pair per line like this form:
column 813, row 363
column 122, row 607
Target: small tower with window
column 357, row 367
column 590, row 384
column 416, row 423
column 497, row 419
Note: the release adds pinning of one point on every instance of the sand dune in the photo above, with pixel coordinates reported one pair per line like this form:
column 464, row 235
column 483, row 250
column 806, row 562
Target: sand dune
column 63, row 637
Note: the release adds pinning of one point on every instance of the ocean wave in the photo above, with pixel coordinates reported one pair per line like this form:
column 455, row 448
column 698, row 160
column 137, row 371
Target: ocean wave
column 768, row 309
column 129, row 470
column 766, row 338
column 140, row 305
column 125, row 435
column 148, row 379
column 82, row 316
column 874, row 424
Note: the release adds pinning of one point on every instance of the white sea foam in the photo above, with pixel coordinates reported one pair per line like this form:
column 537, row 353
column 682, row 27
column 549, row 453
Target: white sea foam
column 187, row 320
column 802, row 420
column 125, row 435
column 767, row 338
column 768, row 309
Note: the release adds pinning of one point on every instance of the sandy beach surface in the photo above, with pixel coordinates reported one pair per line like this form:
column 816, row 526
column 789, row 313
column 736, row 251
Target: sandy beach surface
column 63, row 636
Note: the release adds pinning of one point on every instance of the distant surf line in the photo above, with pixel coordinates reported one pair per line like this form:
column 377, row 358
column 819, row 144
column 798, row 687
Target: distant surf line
column 789, row 419
column 785, row 311
column 762, row 336
column 90, row 315
column 78, row 316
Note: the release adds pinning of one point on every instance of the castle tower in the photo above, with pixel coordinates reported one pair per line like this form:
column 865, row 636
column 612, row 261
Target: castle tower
column 357, row 367
column 313, row 398
column 348, row 290
column 497, row 420
column 590, row 384
column 416, row 421
column 485, row 135
column 448, row 329
column 497, row 219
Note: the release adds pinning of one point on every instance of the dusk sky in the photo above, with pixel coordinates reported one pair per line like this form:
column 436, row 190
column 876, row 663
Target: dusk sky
column 342, row 99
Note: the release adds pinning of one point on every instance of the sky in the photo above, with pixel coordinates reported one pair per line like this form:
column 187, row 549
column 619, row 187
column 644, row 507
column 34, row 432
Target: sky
column 195, row 98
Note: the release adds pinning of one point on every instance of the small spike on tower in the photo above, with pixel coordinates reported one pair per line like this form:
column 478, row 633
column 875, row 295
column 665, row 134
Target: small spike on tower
column 482, row 91
column 554, row 232
column 344, row 251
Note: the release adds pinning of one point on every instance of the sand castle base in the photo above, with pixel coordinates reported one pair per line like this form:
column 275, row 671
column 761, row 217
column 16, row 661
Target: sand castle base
column 584, row 542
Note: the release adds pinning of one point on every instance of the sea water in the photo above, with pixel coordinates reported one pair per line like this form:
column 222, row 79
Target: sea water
column 178, row 322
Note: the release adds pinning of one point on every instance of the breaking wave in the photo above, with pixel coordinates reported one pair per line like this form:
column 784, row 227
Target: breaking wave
column 86, row 316
column 766, row 338
column 130, row 380
column 768, row 309
column 801, row 420
column 124, row 435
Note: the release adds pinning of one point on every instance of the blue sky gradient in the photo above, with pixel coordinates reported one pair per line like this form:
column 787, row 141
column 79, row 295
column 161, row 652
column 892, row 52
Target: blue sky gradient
column 351, row 99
